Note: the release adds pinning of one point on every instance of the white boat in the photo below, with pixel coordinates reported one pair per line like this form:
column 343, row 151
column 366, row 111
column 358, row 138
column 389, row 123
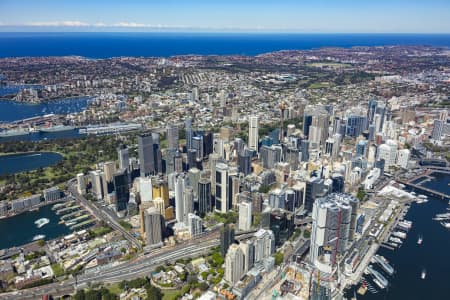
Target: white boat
column 41, row 222
column 39, row 237
column 422, row 197
column 420, row 240
column 380, row 285
column 423, row 275
column 446, row 224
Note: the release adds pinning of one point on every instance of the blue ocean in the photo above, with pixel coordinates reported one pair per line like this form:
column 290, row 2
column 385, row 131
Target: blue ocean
column 105, row 45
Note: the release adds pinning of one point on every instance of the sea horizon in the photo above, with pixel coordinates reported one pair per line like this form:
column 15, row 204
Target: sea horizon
column 101, row 45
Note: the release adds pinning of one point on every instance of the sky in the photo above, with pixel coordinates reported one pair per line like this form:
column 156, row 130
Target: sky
column 302, row 16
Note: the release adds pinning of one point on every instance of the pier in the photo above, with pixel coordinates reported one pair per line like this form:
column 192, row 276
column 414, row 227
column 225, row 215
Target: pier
column 384, row 264
column 377, row 275
column 67, row 209
column 82, row 224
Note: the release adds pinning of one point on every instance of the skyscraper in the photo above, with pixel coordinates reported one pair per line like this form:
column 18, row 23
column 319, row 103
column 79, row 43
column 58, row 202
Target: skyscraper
column 226, row 238
column 204, row 196
column 154, row 224
column 124, row 157
column 245, row 216
column 334, row 223
column 189, row 132
column 195, row 225
column 253, row 135
column 172, row 136
column 234, row 264
column 180, row 186
column 122, row 190
column 146, row 158
column 222, row 204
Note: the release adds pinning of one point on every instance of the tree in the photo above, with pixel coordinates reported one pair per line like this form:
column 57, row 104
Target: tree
column 153, row 293
column 279, row 256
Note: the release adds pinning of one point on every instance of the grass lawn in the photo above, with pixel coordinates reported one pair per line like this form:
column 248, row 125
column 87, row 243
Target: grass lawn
column 170, row 294
column 114, row 289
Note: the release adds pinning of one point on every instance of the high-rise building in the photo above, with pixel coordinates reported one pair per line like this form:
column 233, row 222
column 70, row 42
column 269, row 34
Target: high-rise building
column 157, row 155
column 146, row 156
column 226, row 238
column 234, row 264
column 214, row 158
column 372, row 108
column 97, row 184
column 122, row 189
column 124, row 157
column 145, row 189
column 244, row 162
column 334, row 223
column 204, row 196
column 388, row 152
column 222, row 203
column 189, row 132
column 81, row 184
column 154, row 226
column 438, row 130
column 264, row 242
column 361, row 148
column 245, row 216
column 172, row 136
column 403, row 158
column 197, row 144
column 253, row 135
column 180, row 187
column 195, row 225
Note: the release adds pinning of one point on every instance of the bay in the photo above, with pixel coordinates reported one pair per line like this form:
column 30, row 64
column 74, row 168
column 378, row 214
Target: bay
column 16, row 163
column 20, row 229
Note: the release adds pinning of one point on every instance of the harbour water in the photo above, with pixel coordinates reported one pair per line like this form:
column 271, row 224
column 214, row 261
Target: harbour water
column 16, row 163
column 410, row 259
column 21, row 229
column 13, row 111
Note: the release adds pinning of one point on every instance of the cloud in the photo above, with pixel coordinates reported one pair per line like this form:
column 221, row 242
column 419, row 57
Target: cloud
column 58, row 24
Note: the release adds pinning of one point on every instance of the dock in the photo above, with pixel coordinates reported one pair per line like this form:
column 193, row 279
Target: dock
column 377, row 275
column 384, row 264
column 82, row 224
column 67, row 209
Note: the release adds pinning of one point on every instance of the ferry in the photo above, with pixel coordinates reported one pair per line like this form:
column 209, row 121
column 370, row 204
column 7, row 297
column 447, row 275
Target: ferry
column 399, row 234
column 41, row 222
column 57, row 128
column 39, row 237
column 420, row 240
column 380, row 285
column 446, row 224
column 382, row 261
column 423, row 275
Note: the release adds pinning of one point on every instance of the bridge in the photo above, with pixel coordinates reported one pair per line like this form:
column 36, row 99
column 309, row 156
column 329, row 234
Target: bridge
column 425, row 190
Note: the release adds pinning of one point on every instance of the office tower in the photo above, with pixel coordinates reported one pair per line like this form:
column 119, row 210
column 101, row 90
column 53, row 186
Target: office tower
column 234, row 187
column 318, row 118
column 207, row 144
column 338, row 184
column 304, row 150
column 403, row 158
column 244, row 162
column 270, row 156
column 361, row 148
column 355, row 125
column 264, row 242
column 195, row 225
column 204, row 196
column 292, row 157
column 180, row 186
column 438, row 130
column 124, row 157
column 157, row 156
column 170, row 160
column 172, row 136
column 142, row 208
column 188, row 203
column 214, row 158
column 109, row 168
column 245, row 216
column 97, row 184
column 189, row 132
column 160, row 189
column 218, row 145
column 239, row 145
column 81, row 184
column 253, row 135
column 194, row 177
column 234, row 264
column 314, row 188
column 197, row 144
column 191, row 158
column 388, row 152
column 177, row 162
column 146, row 158
column 372, row 108
column 226, row 238
column 145, row 189
column 222, row 204
column 159, row 204
column 121, row 188
column 334, row 223
column 248, row 249
column 154, row 226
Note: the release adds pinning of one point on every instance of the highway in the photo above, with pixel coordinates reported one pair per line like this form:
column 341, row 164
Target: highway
column 138, row 267
column 105, row 216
